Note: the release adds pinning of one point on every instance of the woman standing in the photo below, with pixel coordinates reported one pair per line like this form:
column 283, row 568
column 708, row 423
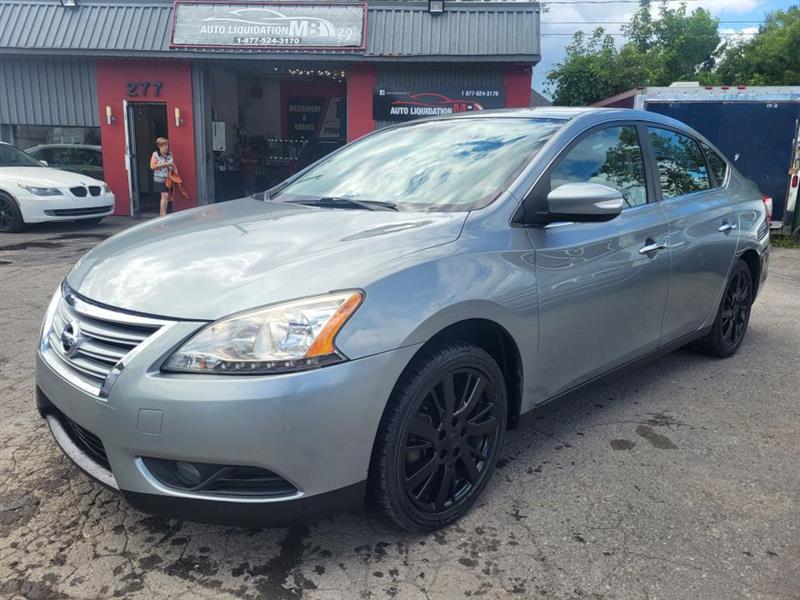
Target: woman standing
column 162, row 165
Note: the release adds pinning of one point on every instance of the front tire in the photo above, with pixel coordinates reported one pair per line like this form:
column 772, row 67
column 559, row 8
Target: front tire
column 439, row 438
column 10, row 215
column 733, row 315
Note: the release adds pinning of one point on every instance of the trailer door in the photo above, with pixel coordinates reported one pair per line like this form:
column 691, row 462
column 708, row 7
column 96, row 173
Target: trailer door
column 758, row 137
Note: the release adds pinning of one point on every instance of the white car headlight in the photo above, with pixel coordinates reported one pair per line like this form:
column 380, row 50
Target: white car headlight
column 41, row 191
column 106, row 189
column 293, row 336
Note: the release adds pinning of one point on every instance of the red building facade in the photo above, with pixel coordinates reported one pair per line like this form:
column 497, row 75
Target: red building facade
column 242, row 112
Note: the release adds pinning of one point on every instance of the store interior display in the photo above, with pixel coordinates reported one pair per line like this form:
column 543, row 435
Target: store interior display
column 267, row 126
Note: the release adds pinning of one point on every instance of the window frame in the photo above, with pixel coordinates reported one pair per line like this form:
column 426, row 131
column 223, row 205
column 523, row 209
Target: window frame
column 705, row 148
column 534, row 195
column 657, row 175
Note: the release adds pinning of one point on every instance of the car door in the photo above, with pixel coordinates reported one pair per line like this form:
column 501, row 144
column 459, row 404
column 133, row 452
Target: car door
column 703, row 228
column 602, row 286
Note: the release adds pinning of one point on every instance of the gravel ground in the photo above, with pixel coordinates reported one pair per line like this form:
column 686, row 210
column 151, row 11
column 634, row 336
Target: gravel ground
column 678, row 480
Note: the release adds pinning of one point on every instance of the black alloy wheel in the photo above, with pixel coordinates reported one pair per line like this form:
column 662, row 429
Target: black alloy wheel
column 733, row 316
column 736, row 309
column 10, row 217
column 440, row 437
column 448, row 440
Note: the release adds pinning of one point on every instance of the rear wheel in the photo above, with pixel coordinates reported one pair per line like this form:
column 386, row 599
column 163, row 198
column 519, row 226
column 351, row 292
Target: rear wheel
column 439, row 438
column 733, row 316
column 10, row 216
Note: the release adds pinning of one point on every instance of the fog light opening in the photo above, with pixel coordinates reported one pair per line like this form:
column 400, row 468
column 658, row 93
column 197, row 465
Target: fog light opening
column 217, row 479
column 188, row 473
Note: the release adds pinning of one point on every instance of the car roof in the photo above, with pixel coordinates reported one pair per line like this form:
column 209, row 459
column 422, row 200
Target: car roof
column 587, row 116
column 79, row 146
column 566, row 113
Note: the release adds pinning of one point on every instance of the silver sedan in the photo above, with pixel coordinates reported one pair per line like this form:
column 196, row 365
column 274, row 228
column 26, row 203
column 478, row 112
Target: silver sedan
column 370, row 328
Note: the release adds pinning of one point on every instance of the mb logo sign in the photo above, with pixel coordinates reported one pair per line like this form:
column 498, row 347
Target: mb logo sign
column 253, row 24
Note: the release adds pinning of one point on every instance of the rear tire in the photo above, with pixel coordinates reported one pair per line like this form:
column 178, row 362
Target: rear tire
column 10, row 215
column 439, row 438
column 733, row 315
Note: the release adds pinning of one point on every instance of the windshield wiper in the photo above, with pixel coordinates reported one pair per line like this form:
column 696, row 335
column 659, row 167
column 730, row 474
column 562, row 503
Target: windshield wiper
column 334, row 201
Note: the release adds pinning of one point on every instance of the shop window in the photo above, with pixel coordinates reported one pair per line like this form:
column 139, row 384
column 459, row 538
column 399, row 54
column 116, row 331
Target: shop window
column 75, row 149
column 28, row 136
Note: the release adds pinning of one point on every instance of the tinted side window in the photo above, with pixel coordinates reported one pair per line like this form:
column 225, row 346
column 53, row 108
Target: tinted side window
column 610, row 156
column 681, row 166
column 88, row 157
column 718, row 165
column 42, row 155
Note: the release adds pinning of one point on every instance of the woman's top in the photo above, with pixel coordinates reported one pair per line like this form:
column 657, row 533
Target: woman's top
column 160, row 175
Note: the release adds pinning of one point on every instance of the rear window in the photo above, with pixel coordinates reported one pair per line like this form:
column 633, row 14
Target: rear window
column 681, row 166
column 719, row 168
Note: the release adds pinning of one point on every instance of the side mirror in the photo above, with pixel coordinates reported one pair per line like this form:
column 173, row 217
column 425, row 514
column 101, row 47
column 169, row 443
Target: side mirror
column 584, row 203
column 44, row 163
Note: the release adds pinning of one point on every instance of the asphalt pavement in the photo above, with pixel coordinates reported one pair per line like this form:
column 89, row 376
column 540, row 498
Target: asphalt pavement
column 680, row 480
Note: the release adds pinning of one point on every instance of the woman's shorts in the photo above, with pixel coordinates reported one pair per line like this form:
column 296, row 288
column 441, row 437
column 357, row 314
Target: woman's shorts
column 160, row 188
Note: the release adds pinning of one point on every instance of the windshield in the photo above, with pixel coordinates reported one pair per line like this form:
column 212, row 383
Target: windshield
column 456, row 164
column 11, row 156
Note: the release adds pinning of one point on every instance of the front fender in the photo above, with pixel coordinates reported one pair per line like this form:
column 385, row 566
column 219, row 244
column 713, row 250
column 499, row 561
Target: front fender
column 450, row 284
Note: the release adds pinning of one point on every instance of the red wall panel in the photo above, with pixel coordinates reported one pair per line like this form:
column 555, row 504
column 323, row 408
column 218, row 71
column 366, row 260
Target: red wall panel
column 361, row 81
column 517, row 81
column 112, row 79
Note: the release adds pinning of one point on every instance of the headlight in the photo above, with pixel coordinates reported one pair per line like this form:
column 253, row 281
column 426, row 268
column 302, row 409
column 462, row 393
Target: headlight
column 41, row 191
column 106, row 189
column 47, row 323
column 293, row 336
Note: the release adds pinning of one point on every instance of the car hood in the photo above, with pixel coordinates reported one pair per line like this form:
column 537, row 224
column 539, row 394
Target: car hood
column 212, row 261
column 45, row 177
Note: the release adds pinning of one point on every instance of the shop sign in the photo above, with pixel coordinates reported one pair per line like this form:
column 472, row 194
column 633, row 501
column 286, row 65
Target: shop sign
column 405, row 105
column 268, row 25
column 304, row 116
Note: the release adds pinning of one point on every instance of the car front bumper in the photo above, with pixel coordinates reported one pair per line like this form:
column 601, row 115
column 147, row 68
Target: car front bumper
column 37, row 209
column 315, row 429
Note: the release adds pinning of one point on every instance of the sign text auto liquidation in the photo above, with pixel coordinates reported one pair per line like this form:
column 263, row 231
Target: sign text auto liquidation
column 243, row 25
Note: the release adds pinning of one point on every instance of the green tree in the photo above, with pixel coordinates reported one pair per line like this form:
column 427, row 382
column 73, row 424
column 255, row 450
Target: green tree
column 674, row 46
column 771, row 57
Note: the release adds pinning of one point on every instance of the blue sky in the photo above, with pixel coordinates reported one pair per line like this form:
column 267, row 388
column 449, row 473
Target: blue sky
column 736, row 17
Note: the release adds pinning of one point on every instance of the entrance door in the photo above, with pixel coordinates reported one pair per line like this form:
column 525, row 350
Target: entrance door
column 146, row 122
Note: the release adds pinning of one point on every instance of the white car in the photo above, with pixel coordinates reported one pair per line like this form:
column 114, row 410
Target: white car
column 31, row 192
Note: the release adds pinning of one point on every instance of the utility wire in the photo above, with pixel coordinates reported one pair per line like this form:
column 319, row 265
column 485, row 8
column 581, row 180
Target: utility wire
column 628, row 22
column 726, row 34
column 586, row 2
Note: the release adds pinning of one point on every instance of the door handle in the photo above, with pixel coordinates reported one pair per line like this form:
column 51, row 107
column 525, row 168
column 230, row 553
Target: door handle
column 726, row 227
column 653, row 247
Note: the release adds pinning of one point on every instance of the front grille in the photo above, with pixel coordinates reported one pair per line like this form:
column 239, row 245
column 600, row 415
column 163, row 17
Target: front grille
column 78, row 191
column 94, row 190
column 77, row 212
column 89, row 340
column 86, row 441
